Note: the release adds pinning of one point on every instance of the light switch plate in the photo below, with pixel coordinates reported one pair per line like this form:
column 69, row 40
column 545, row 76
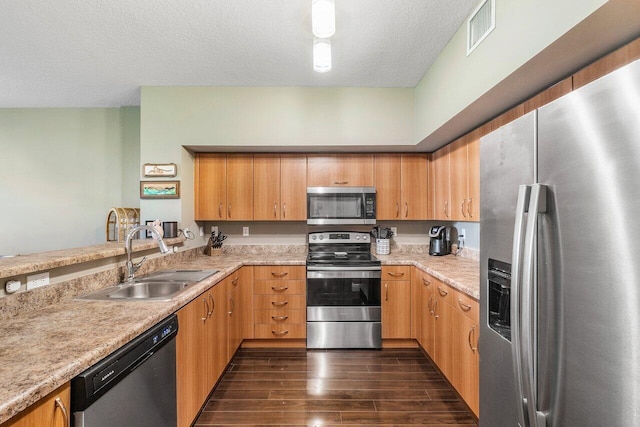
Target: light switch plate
column 394, row 230
column 245, row 231
column 37, row 280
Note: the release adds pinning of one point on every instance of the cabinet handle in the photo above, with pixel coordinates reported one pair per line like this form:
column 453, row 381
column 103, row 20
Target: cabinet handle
column 442, row 292
column 395, row 274
column 462, row 207
column 220, row 210
column 213, row 305
column 469, row 207
column 60, row 404
column 397, row 210
column 430, row 305
column 426, row 282
column 206, row 309
column 284, row 210
column 386, row 292
column 280, row 289
column 463, row 306
column 275, row 210
column 234, row 281
column 406, row 210
column 274, row 274
column 435, row 309
column 279, row 317
column 279, row 303
column 340, row 182
column 472, row 331
column 446, row 209
column 232, row 303
column 229, row 210
column 280, row 333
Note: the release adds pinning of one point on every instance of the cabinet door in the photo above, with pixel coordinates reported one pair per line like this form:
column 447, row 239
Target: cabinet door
column 266, row 186
column 235, row 311
column 219, row 332
column 396, row 318
column 239, row 187
column 293, row 187
column 466, row 363
column 459, row 180
column 473, row 160
column 350, row 170
column 388, row 199
column 52, row 410
column 246, row 301
column 441, row 192
column 210, row 187
column 192, row 348
column 443, row 328
column 414, row 186
column 427, row 318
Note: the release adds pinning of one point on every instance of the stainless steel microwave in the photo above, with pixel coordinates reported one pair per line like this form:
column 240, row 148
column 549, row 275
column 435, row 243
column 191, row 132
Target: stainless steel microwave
column 341, row 205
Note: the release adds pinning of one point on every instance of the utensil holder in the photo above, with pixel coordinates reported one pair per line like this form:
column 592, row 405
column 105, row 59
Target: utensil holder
column 216, row 251
column 382, row 246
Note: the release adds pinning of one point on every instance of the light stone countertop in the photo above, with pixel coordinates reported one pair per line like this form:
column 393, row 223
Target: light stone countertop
column 39, row 351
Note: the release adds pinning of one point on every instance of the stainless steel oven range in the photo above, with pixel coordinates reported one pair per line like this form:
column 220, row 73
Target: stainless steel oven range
column 343, row 291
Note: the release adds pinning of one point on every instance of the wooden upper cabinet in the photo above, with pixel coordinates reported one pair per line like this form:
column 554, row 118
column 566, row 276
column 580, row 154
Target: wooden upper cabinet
column 401, row 186
column 239, row 187
column 210, row 187
column 266, row 187
column 388, row 193
column 459, row 180
column 330, row 170
column 616, row 59
column 293, row 187
column 441, row 189
column 473, row 164
column 414, row 176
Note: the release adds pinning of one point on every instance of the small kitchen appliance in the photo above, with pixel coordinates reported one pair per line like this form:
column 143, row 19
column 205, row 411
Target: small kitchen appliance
column 440, row 240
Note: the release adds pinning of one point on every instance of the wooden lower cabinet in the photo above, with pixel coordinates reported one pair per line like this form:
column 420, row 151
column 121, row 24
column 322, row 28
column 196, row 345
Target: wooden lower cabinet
column 396, row 302
column 52, row 410
column 449, row 335
column 279, row 302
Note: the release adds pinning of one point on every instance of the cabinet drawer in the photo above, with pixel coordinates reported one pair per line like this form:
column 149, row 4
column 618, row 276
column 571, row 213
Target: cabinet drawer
column 279, row 287
column 444, row 292
column 268, row 302
column 396, row 272
column 281, row 331
column 467, row 305
column 280, row 317
column 280, row 272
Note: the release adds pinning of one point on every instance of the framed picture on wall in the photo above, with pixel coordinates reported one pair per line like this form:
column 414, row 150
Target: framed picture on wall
column 159, row 189
column 159, row 169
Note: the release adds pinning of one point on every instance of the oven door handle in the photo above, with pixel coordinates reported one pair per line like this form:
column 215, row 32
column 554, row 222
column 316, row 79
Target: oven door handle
column 344, row 274
column 372, row 268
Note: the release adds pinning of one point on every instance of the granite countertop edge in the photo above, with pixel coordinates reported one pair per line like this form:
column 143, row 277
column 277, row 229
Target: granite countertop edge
column 70, row 352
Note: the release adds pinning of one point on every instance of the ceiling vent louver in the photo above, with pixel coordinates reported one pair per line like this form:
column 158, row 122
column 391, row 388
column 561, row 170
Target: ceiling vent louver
column 481, row 22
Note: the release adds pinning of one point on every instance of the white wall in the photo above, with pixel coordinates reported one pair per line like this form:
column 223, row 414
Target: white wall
column 61, row 170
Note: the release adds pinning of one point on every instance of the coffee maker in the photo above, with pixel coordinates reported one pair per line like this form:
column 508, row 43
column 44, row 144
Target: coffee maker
column 440, row 242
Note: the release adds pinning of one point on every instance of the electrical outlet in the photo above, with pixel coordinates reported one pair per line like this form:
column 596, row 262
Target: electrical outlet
column 37, row 280
column 245, row 231
column 461, row 234
column 214, row 229
column 201, row 231
column 394, row 230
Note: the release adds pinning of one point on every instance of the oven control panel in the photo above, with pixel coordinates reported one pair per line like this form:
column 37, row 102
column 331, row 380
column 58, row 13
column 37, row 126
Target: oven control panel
column 339, row 237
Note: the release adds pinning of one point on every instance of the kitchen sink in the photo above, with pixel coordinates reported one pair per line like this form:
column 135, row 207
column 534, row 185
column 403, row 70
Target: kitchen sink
column 159, row 286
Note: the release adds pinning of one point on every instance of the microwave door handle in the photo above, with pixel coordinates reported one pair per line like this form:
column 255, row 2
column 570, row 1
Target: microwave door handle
column 522, row 204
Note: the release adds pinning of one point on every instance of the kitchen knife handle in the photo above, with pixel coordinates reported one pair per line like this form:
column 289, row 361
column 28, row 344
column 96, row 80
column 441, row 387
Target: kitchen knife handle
column 60, row 404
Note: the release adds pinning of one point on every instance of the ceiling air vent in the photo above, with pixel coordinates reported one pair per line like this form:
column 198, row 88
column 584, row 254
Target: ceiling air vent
column 481, row 22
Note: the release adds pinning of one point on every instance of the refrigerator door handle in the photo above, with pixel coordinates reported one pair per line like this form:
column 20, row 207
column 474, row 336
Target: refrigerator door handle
column 537, row 204
column 522, row 205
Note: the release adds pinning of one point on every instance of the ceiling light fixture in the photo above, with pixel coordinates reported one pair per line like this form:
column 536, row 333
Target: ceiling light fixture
column 321, row 55
column 323, row 18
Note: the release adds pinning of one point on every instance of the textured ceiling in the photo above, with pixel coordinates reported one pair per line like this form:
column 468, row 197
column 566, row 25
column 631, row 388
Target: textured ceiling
column 98, row 53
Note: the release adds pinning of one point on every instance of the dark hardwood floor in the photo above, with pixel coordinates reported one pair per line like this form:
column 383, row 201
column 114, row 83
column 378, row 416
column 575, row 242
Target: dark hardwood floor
column 333, row 387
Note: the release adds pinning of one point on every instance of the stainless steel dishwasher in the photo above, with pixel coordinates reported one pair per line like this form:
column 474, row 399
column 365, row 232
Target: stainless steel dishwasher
column 134, row 386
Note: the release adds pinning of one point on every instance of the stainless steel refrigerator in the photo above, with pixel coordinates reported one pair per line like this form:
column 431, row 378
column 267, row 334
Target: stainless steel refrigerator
column 560, row 262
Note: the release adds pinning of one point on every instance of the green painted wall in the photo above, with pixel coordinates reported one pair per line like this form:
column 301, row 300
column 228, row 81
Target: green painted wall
column 61, row 170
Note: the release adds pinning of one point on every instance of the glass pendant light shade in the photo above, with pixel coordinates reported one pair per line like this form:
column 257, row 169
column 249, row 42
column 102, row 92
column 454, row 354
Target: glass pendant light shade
column 321, row 55
column 323, row 18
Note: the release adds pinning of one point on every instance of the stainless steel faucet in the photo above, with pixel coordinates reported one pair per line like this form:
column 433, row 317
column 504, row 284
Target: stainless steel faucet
column 131, row 267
